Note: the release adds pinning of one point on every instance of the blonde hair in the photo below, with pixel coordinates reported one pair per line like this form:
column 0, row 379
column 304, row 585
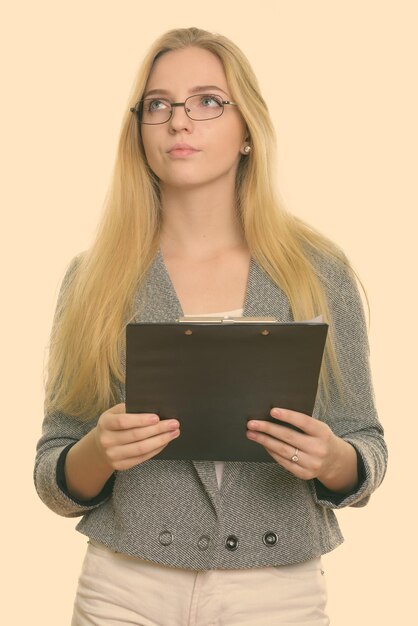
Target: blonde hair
column 88, row 335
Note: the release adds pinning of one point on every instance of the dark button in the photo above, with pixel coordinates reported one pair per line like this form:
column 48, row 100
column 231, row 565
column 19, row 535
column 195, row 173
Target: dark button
column 231, row 543
column 270, row 539
column 165, row 538
column 203, row 542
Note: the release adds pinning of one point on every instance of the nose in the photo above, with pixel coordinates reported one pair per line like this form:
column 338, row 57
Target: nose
column 179, row 120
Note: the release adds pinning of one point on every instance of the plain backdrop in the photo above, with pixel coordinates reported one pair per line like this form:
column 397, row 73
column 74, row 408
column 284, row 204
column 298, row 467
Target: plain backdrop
column 340, row 82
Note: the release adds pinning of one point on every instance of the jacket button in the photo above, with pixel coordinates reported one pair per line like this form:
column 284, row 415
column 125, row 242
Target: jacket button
column 270, row 539
column 231, row 543
column 203, row 542
column 165, row 538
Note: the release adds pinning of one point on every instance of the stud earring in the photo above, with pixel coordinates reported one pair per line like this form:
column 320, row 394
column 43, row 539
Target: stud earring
column 247, row 149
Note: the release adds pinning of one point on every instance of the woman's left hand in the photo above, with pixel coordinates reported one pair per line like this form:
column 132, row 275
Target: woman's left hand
column 316, row 452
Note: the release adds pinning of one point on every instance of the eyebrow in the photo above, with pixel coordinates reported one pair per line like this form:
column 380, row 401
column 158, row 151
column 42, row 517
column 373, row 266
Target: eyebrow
column 198, row 88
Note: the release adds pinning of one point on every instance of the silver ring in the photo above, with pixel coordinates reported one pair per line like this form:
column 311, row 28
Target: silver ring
column 295, row 457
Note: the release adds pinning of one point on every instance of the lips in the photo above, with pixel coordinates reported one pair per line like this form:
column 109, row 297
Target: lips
column 182, row 149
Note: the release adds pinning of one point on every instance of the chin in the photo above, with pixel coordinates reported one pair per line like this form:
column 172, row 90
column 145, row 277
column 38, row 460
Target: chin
column 184, row 179
column 191, row 180
column 185, row 183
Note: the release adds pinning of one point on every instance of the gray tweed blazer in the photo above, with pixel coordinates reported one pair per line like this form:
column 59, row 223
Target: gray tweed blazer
column 172, row 512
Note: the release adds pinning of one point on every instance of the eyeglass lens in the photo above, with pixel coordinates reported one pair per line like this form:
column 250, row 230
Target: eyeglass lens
column 201, row 107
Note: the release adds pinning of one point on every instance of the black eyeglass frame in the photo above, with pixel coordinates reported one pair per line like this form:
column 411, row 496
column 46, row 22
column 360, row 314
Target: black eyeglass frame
column 136, row 108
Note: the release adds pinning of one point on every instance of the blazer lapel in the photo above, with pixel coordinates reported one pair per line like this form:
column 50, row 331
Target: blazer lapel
column 156, row 300
column 263, row 298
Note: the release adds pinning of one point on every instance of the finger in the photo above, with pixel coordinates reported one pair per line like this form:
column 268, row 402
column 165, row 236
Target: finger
column 306, row 466
column 131, row 462
column 283, row 456
column 296, row 469
column 113, row 438
column 141, row 448
column 273, row 445
column 306, row 423
column 112, row 420
column 290, row 437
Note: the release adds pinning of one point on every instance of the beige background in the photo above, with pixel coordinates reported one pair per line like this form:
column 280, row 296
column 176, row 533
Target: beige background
column 339, row 80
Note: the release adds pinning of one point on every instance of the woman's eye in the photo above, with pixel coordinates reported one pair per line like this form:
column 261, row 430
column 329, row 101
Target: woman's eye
column 210, row 101
column 157, row 105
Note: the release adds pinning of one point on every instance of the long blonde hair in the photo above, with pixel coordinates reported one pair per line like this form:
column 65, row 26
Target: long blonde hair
column 88, row 334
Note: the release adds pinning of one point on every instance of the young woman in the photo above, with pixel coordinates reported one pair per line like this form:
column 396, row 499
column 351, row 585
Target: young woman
column 193, row 227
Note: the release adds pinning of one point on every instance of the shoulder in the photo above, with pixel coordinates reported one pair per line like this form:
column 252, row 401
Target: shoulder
column 326, row 259
column 73, row 265
column 343, row 291
column 71, row 270
column 336, row 274
column 332, row 269
column 65, row 289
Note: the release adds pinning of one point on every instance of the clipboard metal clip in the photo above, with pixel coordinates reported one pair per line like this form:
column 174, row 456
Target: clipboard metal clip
column 196, row 319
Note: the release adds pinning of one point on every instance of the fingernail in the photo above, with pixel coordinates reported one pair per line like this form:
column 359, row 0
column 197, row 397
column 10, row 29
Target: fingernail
column 154, row 419
column 175, row 434
column 173, row 424
column 276, row 412
column 252, row 424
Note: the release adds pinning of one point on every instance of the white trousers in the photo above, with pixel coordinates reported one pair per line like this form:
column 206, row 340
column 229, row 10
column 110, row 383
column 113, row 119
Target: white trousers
column 117, row 590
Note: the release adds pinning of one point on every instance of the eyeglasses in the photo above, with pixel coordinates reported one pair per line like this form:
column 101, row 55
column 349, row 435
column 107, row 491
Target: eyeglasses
column 198, row 108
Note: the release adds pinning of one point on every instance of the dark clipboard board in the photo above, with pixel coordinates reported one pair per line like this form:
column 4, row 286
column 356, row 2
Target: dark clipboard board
column 214, row 377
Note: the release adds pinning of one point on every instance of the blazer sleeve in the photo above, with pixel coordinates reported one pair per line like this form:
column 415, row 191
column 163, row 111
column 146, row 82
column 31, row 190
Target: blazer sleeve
column 59, row 432
column 350, row 410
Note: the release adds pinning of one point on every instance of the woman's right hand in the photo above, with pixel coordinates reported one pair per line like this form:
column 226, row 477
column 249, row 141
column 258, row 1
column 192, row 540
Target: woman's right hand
column 127, row 439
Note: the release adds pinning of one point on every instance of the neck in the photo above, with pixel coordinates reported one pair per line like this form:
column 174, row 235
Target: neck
column 199, row 222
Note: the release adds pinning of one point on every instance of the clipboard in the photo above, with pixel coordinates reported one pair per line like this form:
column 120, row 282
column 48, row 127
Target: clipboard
column 214, row 374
